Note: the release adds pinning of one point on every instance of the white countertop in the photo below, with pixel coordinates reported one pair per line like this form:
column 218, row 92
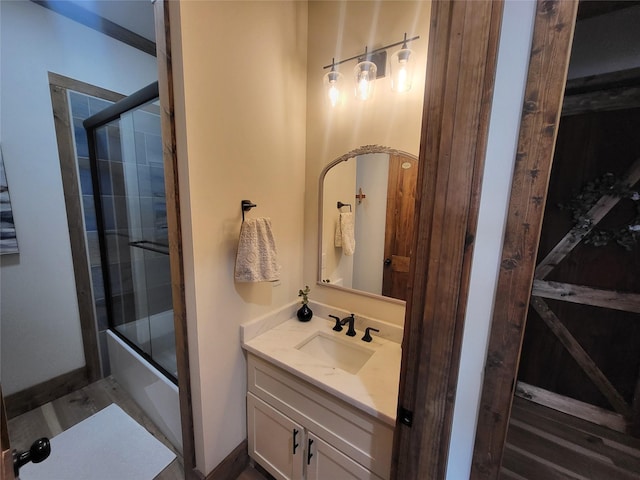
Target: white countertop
column 373, row 389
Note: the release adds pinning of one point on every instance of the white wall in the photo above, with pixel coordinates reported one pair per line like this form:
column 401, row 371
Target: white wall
column 341, row 30
column 597, row 37
column 371, row 219
column 504, row 123
column 239, row 73
column 40, row 329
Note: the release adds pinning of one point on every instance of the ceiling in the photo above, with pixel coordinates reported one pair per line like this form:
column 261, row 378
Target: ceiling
column 134, row 15
column 137, row 15
column 129, row 21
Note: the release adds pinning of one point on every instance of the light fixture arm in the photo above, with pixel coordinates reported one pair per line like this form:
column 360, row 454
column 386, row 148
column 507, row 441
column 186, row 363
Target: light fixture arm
column 368, row 53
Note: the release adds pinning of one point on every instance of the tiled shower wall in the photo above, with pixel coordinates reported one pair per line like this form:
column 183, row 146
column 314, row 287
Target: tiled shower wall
column 147, row 171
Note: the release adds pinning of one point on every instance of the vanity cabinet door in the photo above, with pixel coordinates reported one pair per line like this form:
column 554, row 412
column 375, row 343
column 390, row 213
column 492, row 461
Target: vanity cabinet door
column 275, row 441
column 324, row 462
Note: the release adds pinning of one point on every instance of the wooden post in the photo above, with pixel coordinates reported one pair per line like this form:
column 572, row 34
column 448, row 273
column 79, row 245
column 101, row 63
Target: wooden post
column 461, row 69
column 579, row 355
column 550, row 49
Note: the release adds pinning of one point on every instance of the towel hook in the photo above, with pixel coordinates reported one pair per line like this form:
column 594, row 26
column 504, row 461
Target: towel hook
column 340, row 205
column 246, row 205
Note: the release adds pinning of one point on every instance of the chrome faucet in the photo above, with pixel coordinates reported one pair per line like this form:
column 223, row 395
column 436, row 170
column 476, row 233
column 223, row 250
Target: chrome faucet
column 351, row 332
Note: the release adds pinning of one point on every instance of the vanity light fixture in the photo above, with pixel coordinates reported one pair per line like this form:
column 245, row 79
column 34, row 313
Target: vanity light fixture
column 372, row 65
column 365, row 74
column 401, row 68
column 333, row 84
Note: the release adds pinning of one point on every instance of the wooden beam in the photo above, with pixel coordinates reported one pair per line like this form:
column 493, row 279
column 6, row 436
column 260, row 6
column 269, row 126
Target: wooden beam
column 602, row 101
column 163, row 19
column 96, row 22
column 462, row 58
column 626, row 302
column 575, row 235
column 581, row 356
column 588, row 9
column 603, row 81
column 550, row 49
column 573, row 407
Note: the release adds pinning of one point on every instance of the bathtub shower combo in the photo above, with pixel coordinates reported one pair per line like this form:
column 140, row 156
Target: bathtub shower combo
column 132, row 285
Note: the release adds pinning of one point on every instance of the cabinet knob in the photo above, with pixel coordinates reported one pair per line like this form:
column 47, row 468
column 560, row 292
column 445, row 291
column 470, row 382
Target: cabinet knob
column 309, row 454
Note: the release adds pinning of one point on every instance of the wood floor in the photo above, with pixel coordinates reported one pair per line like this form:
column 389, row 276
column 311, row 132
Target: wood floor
column 63, row 413
column 543, row 444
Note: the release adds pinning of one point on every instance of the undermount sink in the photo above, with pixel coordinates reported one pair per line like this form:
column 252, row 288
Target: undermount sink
column 336, row 352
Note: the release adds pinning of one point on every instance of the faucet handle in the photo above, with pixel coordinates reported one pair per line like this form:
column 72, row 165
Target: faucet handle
column 367, row 334
column 337, row 327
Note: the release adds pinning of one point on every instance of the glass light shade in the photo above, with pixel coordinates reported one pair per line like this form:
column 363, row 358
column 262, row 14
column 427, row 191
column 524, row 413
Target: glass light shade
column 365, row 78
column 334, row 86
column 401, row 67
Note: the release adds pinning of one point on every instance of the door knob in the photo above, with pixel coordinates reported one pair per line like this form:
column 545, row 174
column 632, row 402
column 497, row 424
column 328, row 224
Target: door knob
column 39, row 451
column 387, row 261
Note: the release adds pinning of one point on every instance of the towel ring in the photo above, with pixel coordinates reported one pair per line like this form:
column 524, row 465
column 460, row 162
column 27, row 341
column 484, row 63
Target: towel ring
column 246, row 205
column 340, row 205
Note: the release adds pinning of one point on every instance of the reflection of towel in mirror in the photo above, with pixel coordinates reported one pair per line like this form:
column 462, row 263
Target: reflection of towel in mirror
column 348, row 237
column 256, row 260
column 337, row 238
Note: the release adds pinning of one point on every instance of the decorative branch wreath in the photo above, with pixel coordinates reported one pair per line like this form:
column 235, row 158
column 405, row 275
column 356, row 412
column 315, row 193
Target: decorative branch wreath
column 626, row 235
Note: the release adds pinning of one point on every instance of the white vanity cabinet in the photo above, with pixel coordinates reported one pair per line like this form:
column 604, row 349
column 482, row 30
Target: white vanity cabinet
column 328, row 463
column 275, row 441
column 297, row 431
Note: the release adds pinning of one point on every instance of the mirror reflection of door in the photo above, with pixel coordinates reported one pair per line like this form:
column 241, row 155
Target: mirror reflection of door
column 401, row 190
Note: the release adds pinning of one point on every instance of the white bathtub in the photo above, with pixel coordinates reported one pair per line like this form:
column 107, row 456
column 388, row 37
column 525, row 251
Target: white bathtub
column 150, row 389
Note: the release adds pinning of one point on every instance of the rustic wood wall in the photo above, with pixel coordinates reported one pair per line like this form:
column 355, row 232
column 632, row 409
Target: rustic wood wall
column 588, row 145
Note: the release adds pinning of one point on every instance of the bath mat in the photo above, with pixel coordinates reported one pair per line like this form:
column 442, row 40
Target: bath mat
column 109, row 445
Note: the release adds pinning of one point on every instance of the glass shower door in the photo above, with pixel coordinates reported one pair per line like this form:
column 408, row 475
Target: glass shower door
column 127, row 166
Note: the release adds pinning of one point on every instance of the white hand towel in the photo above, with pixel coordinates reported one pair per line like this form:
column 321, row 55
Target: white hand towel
column 256, row 260
column 347, row 226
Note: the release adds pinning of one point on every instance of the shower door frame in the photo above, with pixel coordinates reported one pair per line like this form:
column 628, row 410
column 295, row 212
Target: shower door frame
column 91, row 124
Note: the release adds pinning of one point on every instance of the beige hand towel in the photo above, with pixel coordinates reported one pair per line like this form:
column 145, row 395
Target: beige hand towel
column 256, row 260
column 347, row 228
column 337, row 237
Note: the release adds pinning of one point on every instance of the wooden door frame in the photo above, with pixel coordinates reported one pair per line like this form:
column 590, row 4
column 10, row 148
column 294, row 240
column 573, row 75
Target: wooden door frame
column 440, row 273
column 463, row 47
column 544, row 92
column 165, row 86
column 462, row 58
column 6, row 452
